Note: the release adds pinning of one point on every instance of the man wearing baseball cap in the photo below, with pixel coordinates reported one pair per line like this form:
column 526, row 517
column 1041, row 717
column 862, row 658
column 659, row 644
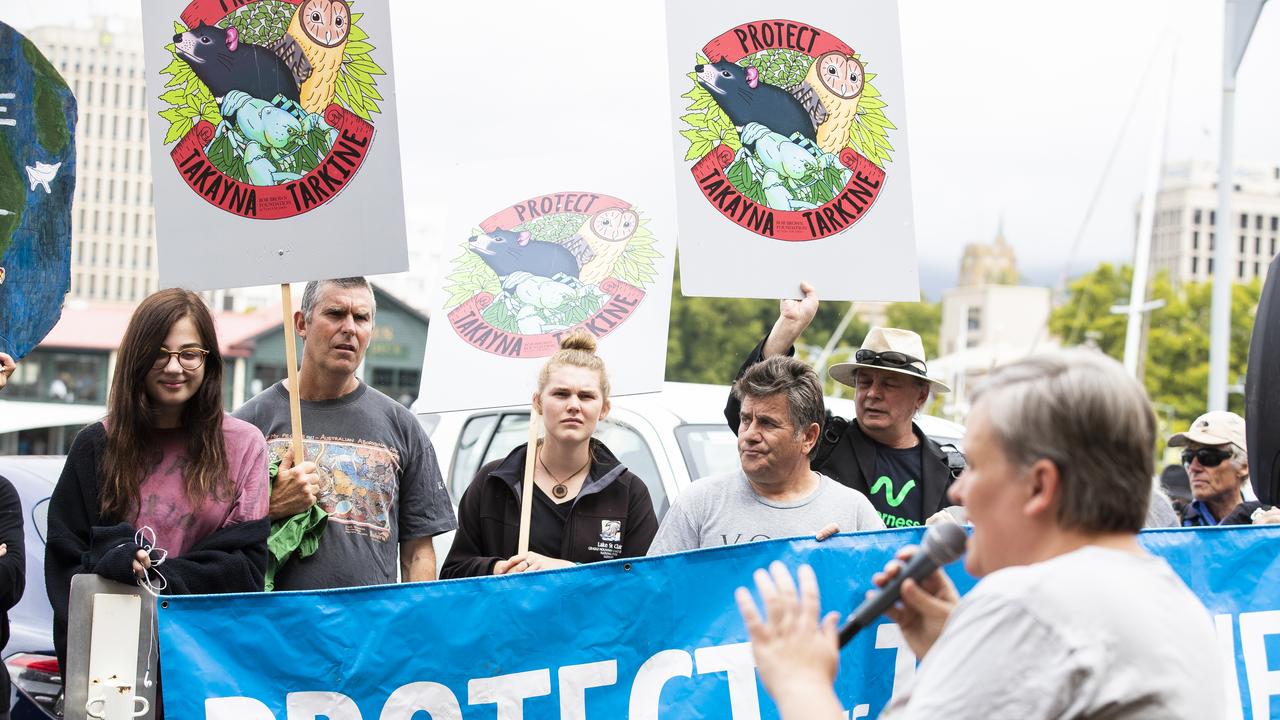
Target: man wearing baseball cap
column 1217, row 462
column 881, row 453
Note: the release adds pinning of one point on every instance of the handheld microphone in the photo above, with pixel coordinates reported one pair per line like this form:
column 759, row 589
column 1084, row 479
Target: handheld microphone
column 941, row 545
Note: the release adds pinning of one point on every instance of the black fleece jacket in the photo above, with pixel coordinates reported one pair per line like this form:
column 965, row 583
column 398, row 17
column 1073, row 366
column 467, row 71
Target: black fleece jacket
column 82, row 540
column 13, row 569
column 489, row 515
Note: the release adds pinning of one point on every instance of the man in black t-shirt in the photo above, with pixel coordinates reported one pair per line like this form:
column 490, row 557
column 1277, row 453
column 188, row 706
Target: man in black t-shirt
column 882, row 452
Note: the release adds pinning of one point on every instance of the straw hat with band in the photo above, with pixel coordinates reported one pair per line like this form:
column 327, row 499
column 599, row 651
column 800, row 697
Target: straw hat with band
column 892, row 350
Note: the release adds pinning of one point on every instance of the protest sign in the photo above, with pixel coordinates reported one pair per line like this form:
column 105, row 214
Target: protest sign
column 791, row 158
column 642, row 638
column 557, row 207
column 274, row 141
column 37, row 182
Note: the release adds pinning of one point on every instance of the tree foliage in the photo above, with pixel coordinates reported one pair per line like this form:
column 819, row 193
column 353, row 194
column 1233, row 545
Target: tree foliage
column 710, row 337
column 925, row 318
column 1176, row 361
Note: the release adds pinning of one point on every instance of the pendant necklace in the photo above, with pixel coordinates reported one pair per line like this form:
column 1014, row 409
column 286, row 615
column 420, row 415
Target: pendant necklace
column 559, row 490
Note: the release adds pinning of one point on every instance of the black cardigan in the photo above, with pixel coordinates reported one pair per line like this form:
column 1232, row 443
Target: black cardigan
column 82, row 540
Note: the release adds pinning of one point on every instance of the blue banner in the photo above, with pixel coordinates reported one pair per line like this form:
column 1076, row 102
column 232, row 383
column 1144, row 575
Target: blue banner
column 643, row 638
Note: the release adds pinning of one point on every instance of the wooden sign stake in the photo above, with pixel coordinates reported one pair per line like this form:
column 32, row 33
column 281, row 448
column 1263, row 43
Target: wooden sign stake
column 291, row 360
column 526, row 490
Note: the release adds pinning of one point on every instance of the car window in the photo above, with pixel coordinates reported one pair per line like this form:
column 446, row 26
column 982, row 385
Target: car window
column 471, row 446
column 513, row 430
column 631, row 450
column 627, row 444
column 708, row 449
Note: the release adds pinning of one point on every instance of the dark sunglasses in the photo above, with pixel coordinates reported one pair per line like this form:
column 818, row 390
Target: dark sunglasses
column 1208, row 457
column 891, row 358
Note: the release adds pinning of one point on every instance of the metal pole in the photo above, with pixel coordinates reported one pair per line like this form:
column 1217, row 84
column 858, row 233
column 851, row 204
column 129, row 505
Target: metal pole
column 1146, row 223
column 821, row 363
column 1220, row 310
column 1240, row 18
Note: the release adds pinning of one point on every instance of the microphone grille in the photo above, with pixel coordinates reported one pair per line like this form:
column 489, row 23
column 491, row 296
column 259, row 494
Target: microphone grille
column 944, row 542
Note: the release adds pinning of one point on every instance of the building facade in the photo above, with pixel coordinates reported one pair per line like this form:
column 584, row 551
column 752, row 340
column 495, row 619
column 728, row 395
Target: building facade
column 988, row 263
column 1184, row 235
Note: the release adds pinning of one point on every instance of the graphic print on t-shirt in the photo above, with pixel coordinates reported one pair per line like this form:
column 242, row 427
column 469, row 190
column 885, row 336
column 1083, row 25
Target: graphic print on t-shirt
column 895, row 492
column 357, row 482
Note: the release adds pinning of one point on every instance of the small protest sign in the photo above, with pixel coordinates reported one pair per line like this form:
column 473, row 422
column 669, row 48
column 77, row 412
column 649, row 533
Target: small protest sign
column 791, row 159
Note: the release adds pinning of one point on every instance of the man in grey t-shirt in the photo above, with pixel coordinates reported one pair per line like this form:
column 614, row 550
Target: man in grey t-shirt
column 775, row 494
column 367, row 461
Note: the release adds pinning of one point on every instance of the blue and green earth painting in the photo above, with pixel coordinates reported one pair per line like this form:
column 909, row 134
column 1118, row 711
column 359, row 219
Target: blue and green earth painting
column 37, row 181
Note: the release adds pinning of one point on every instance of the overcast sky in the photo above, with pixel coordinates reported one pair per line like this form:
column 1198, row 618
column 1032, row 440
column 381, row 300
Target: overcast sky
column 1013, row 107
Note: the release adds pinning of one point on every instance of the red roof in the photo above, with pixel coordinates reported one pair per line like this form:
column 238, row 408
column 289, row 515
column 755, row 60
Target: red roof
column 100, row 327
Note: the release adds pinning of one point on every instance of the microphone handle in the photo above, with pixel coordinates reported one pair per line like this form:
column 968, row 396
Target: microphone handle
column 852, row 627
column 873, row 607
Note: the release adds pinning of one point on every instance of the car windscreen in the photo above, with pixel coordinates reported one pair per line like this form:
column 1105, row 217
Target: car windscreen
column 710, row 449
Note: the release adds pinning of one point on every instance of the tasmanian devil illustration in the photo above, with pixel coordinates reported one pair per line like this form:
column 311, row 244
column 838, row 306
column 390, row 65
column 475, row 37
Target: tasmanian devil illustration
column 508, row 251
column 745, row 98
column 223, row 63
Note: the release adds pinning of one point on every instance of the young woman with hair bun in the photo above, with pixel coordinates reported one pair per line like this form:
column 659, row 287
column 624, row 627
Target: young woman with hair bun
column 587, row 506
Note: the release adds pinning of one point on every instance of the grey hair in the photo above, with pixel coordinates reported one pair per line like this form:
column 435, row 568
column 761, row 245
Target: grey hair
column 311, row 294
column 1080, row 410
column 782, row 374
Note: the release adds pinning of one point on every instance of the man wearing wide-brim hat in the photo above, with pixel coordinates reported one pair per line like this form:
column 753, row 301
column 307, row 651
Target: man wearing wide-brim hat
column 881, row 452
column 1216, row 458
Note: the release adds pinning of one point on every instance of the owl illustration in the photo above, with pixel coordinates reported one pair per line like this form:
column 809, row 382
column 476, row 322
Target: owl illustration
column 313, row 47
column 830, row 92
column 605, row 235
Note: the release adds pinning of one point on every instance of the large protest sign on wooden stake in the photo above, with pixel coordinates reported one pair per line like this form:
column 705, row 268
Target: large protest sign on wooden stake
column 791, row 159
column 557, row 208
column 559, row 213
column 274, row 144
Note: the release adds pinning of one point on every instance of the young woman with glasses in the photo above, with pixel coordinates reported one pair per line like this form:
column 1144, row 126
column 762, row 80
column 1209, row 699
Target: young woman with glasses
column 168, row 490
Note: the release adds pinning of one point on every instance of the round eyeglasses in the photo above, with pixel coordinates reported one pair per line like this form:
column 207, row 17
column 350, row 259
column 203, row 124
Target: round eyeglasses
column 189, row 358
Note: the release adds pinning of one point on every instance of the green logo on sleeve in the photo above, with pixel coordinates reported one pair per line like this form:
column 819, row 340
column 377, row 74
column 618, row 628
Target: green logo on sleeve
column 886, row 482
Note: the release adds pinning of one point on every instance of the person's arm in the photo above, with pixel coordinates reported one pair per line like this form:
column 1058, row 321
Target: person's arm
column 793, row 317
column 642, row 522
column 468, row 556
column 252, row 479
column 417, row 560
column 13, row 568
column 797, row 655
column 7, row 366
column 72, row 513
column 295, row 489
column 677, row 532
column 232, row 559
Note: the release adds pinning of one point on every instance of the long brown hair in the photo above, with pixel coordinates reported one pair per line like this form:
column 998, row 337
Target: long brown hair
column 131, row 425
